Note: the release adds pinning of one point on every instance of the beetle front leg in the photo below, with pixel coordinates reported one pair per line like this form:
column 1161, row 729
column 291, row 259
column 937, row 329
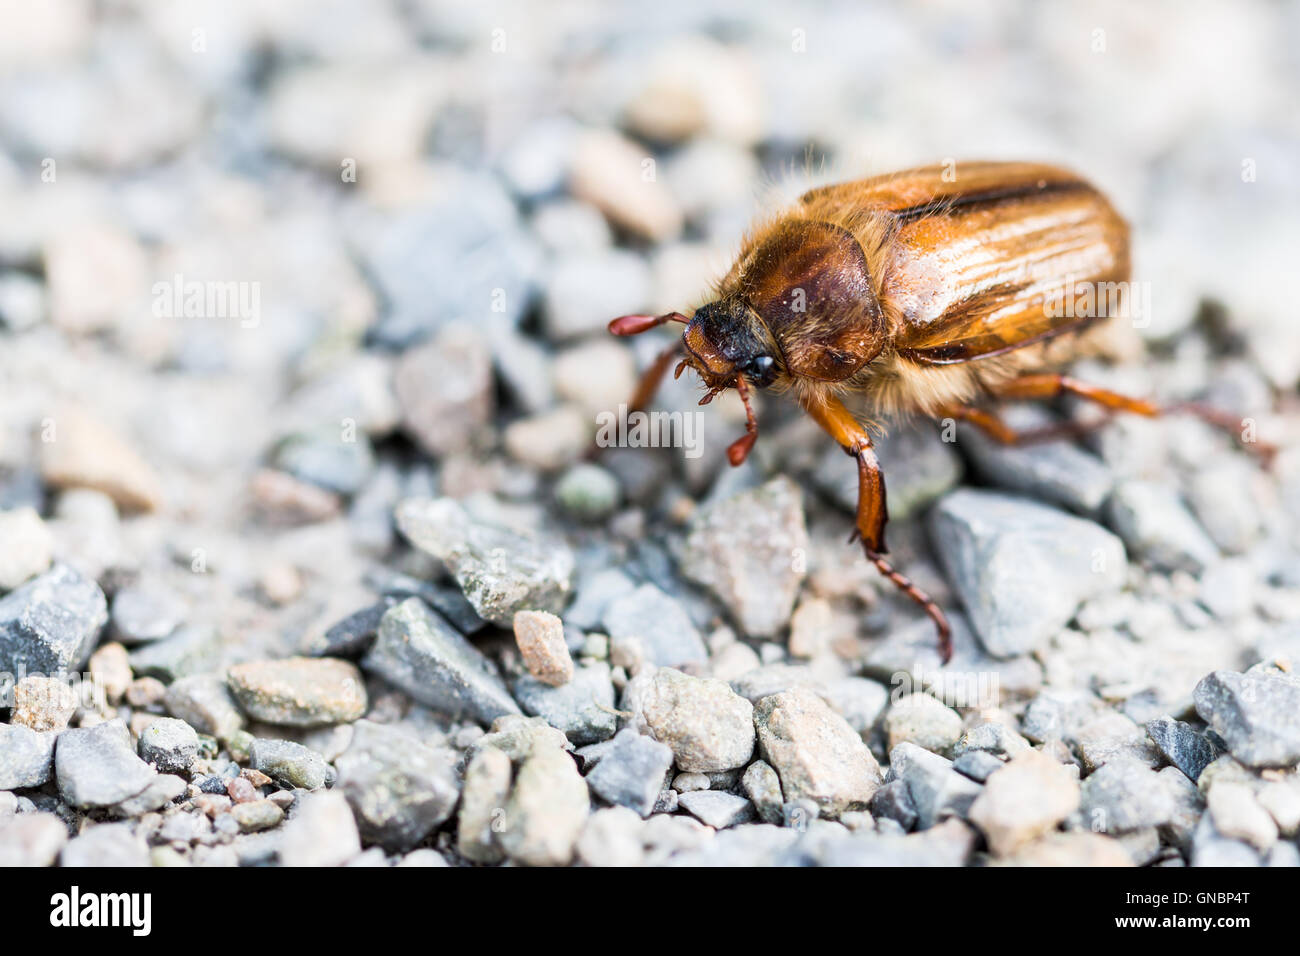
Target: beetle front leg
column 872, row 513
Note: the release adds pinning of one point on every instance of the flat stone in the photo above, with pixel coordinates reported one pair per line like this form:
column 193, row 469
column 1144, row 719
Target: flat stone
column 26, row 757
column 256, row 815
column 707, row 725
column 814, row 751
column 50, row 624
column 321, row 832
column 1021, row 568
column 289, row 763
column 399, row 789
column 744, row 548
column 299, row 691
column 631, row 771
column 419, row 652
column 1158, row 528
column 98, row 767
column 659, row 622
column 1123, row 796
column 716, row 808
column 169, row 744
column 1028, row 797
column 499, row 571
column 583, row 708
column 1182, row 745
column 1254, row 713
column 547, row 810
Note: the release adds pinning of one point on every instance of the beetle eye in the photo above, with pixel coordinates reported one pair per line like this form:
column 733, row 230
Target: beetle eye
column 761, row 369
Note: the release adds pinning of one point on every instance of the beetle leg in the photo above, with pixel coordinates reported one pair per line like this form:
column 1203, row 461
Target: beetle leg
column 840, row 424
column 739, row 449
column 1052, row 384
column 653, row 377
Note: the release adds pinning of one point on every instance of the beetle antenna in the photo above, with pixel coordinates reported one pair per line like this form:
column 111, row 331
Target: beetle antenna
column 636, row 324
column 739, row 449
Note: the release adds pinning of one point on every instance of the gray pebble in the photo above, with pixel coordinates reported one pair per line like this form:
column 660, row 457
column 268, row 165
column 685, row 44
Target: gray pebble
column 107, row 844
column 31, row 839
column 716, row 808
column 205, row 703
column 659, row 622
column 320, row 832
column 1254, row 713
column 1158, row 528
column 937, row 790
column 26, row 757
column 98, row 767
column 169, row 744
column 419, row 652
column 51, row 623
column 631, row 771
column 291, row 764
column 1125, row 795
column 583, row 708
column 763, row 787
column 146, row 611
column 979, row 765
column 1182, row 745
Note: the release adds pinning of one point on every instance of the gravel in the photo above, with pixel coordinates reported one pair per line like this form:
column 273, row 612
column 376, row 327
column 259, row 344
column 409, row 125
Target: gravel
column 1158, row 528
column 717, row 809
column 583, row 707
column 320, row 832
column 28, row 547
column 98, row 767
column 658, row 622
column 482, row 805
column 1182, row 745
column 419, row 652
column 924, row 721
column 814, row 751
column 299, row 692
column 1254, row 713
column 546, row 811
column 631, row 771
column 1021, row 569
column 540, row 638
column 26, row 757
column 1030, row 796
column 1124, row 796
column 704, row 722
column 50, row 624
column 936, row 791
column 169, row 744
column 399, row 789
column 290, row 763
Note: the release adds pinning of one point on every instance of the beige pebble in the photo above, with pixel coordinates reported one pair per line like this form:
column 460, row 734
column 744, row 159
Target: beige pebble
column 43, row 703
column 540, row 636
column 619, row 177
column 110, row 668
column 79, row 451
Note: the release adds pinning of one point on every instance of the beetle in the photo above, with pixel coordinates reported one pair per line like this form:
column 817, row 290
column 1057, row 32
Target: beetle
column 928, row 291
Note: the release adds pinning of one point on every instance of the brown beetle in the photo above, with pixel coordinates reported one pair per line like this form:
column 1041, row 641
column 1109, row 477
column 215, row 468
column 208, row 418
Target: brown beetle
column 916, row 292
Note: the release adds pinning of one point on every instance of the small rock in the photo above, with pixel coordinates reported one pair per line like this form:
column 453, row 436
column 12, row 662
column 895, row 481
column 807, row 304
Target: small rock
column 107, row 844
column 1182, row 745
column 814, row 751
column 546, row 811
column 686, row 782
column 31, row 839
column 1254, row 713
column 353, row 635
column 445, row 390
column 979, row 765
column 744, row 549
column 482, row 805
column 858, row 700
column 707, row 725
column 540, row 637
column 659, row 622
column 1158, row 528
column 28, row 547
column 1282, row 801
column 282, row 500
column 256, row 815
column 608, row 172
column 549, row 440
column 499, row 571
column 1027, row 798
column 924, row 721
column 98, row 767
column 631, row 772
column 204, row 702
column 110, row 670
column 1075, row 849
column 1238, row 815
column 716, row 808
column 169, row 744
column 321, row 832
column 517, row 736
column 992, row 737
column 1022, row 569
column 190, row 650
column 43, row 703
column 588, row 492
column 50, row 624
column 299, row 691
column 937, row 791
column 289, row 763
column 612, row 837
column 583, row 708
column 26, row 757
column 1123, row 796
column 763, row 787
column 323, row 458
column 419, row 652
column 165, row 788
column 399, row 789
column 87, row 453
column 1232, row 519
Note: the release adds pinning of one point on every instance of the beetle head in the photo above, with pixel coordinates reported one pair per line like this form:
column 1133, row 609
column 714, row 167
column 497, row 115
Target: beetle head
column 726, row 338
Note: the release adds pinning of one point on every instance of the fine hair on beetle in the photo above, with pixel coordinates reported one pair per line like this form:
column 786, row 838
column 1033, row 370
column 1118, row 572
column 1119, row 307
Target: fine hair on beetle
column 932, row 292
